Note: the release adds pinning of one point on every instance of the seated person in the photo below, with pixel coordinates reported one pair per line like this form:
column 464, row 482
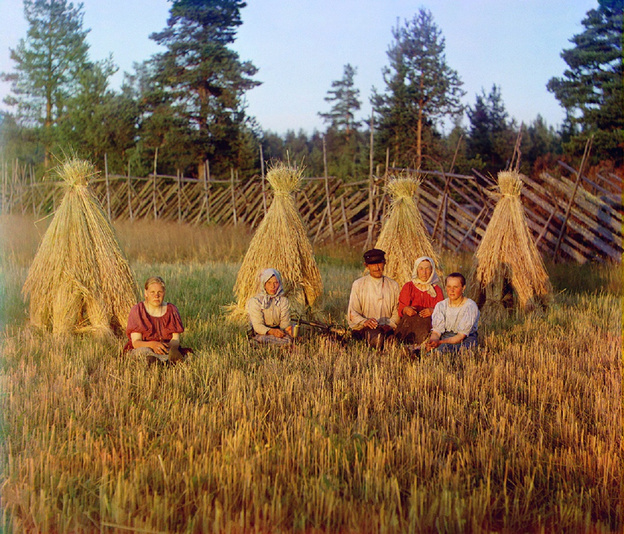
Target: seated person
column 455, row 319
column 373, row 314
column 154, row 326
column 269, row 311
column 416, row 302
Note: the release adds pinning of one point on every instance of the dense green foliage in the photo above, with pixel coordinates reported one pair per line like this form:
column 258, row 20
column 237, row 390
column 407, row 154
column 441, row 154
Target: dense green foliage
column 591, row 87
column 186, row 106
column 421, row 89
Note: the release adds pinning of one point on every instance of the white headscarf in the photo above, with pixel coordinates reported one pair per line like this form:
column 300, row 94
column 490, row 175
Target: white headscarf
column 264, row 277
column 428, row 284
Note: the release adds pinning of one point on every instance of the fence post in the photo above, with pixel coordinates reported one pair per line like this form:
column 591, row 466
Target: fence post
column 344, row 221
column 578, row 181
column 130, row 194
column 108, row 200
column 207, row 189
column 369, row 238
column 329, row 214
column 234, row 217
column 179, row 193
column 154, row 185
column 264, row 201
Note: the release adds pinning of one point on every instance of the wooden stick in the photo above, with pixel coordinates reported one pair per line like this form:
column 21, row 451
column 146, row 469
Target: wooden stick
column 369, row 238
column 179, row 196
column 264, row 198
column 154, row 185
column 328, row 200
column 344, row 221
column 129, row 184
column 578, row 180
column 234, row 216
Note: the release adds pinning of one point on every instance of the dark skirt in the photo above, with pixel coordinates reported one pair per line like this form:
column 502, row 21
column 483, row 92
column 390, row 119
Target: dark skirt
column 414, row 329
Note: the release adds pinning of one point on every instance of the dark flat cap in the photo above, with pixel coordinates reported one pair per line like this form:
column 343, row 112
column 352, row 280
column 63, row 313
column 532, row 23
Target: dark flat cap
column 374, row 255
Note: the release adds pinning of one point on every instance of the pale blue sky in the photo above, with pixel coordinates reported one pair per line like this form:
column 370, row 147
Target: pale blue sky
column 301, row 46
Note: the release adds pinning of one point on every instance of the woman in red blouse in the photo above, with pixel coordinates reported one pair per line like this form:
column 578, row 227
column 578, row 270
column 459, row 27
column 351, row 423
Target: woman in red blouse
column 154, row 326
column 417, row 299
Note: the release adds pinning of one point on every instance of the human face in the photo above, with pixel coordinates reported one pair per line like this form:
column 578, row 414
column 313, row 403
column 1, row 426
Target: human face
column 375, row 269
column 271, row 285
column 454, row 289
column 155, row 294
column 424, row 270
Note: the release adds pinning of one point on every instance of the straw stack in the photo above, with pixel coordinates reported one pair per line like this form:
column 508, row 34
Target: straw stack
column 507, row 258
column 403, row 236
column 280, row 242
column 79, row 280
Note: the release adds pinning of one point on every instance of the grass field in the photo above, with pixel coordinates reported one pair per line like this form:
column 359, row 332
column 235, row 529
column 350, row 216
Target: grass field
column 523, row 436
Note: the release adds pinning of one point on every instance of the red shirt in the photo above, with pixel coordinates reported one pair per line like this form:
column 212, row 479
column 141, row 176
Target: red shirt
column 412, row 296
column 153, row 328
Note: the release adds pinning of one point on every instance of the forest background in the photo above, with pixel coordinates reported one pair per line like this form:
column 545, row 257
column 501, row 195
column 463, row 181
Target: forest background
column 188, row 103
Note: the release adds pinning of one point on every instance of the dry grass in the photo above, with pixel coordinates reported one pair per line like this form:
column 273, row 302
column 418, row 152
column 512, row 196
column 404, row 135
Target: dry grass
column 79, row 279
column 280, row 242
column 507, row 252
column 403, row 236
column 524, row 436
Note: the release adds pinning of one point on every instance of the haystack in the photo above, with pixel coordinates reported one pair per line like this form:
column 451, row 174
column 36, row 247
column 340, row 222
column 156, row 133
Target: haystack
column 79, row 280
column 403, row 236
column 280, row 242
column 507, row 259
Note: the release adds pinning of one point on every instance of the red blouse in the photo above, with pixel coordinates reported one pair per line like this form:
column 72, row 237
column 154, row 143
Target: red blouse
column 153, row 328
column 412, row 296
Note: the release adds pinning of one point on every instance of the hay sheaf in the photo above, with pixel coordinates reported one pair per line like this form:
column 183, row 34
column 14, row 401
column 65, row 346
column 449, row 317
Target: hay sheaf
column 80, row 279
column 403, row 236
column 280, row 242
column 507, row 254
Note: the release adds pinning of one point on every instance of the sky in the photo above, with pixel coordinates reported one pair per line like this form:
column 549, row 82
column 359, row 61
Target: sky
column 301, row 46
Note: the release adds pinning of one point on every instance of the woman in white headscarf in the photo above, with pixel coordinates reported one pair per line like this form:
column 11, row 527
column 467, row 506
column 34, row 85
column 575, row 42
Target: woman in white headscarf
column 269, row 311
column 417, row 300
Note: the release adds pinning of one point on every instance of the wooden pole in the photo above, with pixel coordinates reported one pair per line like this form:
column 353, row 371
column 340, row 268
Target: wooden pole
column 4, row 187
column 327, row 199
column 207, row 189
column 569, row 208
column 32, row 192
column 369, row 237
column 234, row 217
column 179, row 195
column 344, row 221
column 264, row 199
column 387, row 160
column 130, row 194
column 154, row 185
column 108, row 195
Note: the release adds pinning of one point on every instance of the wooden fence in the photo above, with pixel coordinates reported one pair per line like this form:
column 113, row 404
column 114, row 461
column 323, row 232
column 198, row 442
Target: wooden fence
column 572, row 218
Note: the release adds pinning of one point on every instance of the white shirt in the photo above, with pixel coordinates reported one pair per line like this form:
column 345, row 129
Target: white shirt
column 460, row 320
column 373, row 298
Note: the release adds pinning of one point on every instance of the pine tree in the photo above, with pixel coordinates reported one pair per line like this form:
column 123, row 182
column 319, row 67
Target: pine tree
column 202, row 79
column 421, row 88
column 346, row 103
column 47, row 64
column 491, row 140
column 591, row 88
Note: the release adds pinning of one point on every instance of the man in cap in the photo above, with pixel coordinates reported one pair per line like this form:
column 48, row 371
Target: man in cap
column 373, row 305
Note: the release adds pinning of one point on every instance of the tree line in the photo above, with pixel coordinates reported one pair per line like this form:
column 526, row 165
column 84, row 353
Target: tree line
column 185, row 106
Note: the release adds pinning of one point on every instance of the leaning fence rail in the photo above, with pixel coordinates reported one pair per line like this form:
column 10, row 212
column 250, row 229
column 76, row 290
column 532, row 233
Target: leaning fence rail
column 456, row 208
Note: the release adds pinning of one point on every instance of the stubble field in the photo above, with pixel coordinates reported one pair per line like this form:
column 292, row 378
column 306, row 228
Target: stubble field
column 525, row 435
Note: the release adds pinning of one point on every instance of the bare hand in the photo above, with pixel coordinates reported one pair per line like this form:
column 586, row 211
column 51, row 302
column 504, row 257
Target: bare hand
column 371, row 323
column 426, row 312
column 433, row 344
column 409, row 311
column 276, row 332
column 159, row 347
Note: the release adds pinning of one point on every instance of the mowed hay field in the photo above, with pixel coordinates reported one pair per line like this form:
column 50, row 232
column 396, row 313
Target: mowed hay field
column 523, row 436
